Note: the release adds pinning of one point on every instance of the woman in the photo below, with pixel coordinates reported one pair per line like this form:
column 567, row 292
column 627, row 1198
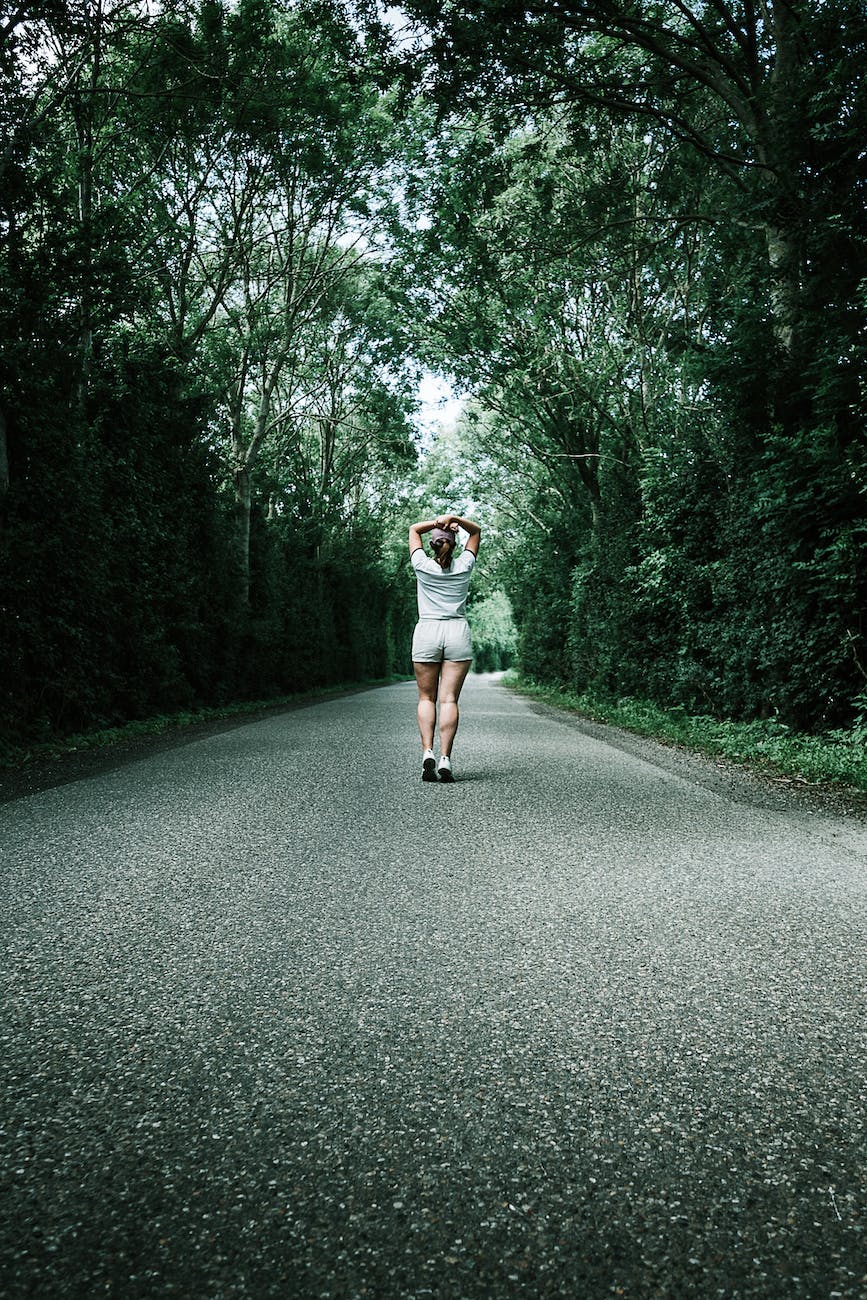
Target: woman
column 441, row 647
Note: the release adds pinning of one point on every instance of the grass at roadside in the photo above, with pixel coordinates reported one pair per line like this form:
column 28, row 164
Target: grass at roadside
column 836, row 757
column 18, row 756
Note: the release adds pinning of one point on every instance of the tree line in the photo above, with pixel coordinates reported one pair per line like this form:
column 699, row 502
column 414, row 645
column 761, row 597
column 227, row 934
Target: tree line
column 205, row 389
column 644, row 255
column 632, row 234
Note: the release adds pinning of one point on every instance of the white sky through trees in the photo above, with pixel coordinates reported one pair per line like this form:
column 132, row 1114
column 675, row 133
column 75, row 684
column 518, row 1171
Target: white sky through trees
column 439, row 405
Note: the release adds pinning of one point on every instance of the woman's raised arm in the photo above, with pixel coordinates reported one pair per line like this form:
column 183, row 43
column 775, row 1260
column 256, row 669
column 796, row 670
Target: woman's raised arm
column 415, row 532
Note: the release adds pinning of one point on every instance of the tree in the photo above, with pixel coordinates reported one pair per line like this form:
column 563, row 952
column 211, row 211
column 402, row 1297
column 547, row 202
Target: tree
column 766, row 93
column 613, row 271
column 266, row 213
column 184, row 240
column 557, row 281
column 345, row 399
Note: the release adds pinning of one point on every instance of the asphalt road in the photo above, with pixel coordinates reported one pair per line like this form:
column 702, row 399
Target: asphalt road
column 279, row 1020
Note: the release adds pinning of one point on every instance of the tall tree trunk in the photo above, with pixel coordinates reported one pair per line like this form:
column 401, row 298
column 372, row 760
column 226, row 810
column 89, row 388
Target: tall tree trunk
column 244, row 459
column 780, row 150
column 243, row 499
column 84, row 115
column 785, row 284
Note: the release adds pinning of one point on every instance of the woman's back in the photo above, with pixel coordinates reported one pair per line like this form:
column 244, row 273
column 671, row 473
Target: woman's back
column 442, row 593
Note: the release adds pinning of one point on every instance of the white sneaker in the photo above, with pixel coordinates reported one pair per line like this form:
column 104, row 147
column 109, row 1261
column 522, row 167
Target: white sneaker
column 444, row 771
column 428, row 766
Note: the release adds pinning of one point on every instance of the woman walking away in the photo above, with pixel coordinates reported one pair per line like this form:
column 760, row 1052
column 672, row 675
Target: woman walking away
column 441, row 647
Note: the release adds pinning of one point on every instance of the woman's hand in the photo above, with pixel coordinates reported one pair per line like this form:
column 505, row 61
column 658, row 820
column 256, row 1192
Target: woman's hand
column 470, row 527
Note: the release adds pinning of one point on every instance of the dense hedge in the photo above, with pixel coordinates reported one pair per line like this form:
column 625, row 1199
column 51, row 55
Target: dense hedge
column 117, row 586
column 736, row 599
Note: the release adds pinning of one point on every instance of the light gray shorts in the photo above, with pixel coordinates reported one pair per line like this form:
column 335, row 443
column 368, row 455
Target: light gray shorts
column 436, row 639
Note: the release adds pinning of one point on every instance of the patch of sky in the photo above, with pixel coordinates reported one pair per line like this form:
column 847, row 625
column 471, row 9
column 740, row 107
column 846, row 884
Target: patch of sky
column 439, row 407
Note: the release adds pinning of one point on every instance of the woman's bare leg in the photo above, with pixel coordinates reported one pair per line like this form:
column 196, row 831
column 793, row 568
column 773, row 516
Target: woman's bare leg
column 452, row 679
column 427, row 679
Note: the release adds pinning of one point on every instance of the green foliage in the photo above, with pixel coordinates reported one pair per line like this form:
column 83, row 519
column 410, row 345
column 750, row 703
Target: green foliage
column 538, row 584
column 108, row 594
column 126, row 605
column 190, row 298
column 494, row 633
column 227, row 243
column 663, row 341
column 838, row 757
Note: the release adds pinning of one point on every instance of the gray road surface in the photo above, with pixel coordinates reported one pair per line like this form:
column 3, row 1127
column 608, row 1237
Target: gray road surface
column 279, row 1020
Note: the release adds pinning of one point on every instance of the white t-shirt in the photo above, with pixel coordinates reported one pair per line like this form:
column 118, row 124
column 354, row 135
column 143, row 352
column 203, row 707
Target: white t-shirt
column 442, row 593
